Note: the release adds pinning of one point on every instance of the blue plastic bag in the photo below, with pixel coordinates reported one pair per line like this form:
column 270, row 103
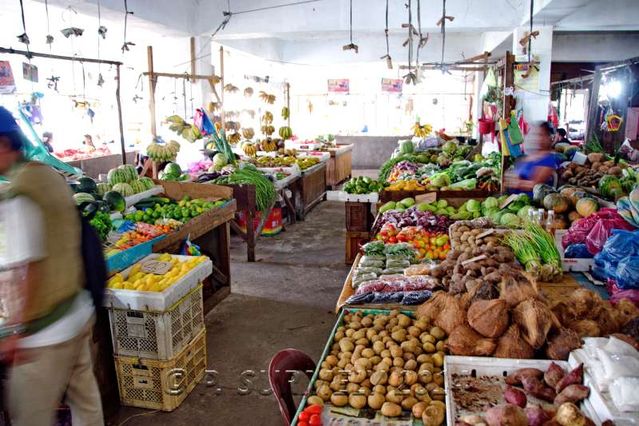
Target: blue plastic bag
column 620, row 245
column 578, row 251
column 627, row 274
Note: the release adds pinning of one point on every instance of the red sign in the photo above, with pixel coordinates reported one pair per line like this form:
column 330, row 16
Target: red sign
column 340, row 85
column 7, row 83
column 392, row 86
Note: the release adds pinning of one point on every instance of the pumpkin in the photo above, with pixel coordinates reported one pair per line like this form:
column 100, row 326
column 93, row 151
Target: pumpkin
column 576, row 196
column 586, row 206
column 573, row 216
column 556, row 202
column 540, row 191
column 567, row 191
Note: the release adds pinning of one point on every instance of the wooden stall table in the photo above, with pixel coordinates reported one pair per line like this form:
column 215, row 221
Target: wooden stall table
column 339, row 166
column 310, row 189
column 95, row 166
column 477, row 194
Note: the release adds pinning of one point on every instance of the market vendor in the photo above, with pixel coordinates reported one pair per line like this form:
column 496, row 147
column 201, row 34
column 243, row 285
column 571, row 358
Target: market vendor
column 88, row 143
column 47, row 138
column 539, row 165
column 45, row 337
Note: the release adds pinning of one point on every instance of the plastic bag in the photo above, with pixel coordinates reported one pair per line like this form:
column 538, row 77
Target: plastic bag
column 402, row 297
column 577, row 251
column 368, row 262
column 398, row 264
column 632, row 295
column 595, row 228
column 627, row 274
column 621, row 244
column 623, row 393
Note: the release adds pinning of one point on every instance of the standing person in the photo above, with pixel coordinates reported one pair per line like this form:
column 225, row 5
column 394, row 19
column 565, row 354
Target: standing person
column 46, row 336
column 561, row 136
column 538, row 165
column 47, row 138
column 88, row 143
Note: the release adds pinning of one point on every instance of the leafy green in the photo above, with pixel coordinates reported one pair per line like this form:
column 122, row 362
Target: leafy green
column 102, row 224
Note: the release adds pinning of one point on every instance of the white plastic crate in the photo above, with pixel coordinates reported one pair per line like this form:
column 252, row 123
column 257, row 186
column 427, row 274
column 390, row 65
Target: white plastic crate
column 483, row 366
column 157, row 335
column 372, row 197
column 571, row 264
column 157, row 301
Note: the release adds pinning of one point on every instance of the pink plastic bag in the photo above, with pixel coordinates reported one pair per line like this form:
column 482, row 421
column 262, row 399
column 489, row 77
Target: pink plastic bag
column 607, row 220
column 632, row 295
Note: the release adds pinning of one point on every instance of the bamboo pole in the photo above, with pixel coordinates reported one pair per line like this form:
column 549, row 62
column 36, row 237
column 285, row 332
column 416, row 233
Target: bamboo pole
column 288, row 103
column 222, row 118
column 121, row 124
column 193, row 66
column 152, row 83
column 60, row 57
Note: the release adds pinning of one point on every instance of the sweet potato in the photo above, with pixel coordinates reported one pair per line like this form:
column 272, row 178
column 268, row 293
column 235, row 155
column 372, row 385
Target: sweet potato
column 506, row 415
column 572, row 393
column 516, row 377
column 576, row 376
column 536, row 415
column 515, row 396
column 536, row 388
column 553, row 375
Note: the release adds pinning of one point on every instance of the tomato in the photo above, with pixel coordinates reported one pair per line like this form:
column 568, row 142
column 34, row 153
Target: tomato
column 304, row 415
column 314, row 409
column 302, row 424
column 315, row 420
column 392, row 240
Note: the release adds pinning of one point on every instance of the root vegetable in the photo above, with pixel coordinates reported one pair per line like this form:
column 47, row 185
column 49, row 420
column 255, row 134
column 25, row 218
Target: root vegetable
column 561, row 344
column 324, row 392
column 536, row 388
column 339, row 399
column 375, row 401
column 433, row 415
column 408, row 403
column 489, row 317
column 512, row 345
column 553, row 375
column 357, row 401
column 576, row 376
column 506, row 415
column 379, row 378
column 418, row 409
column 536, row 415
column 464, row 341
column 535, row 320
column 515, row 396
column 515, row 378
column 572, row 393
column 315, row 400
column 390, row 409
column 569, row 415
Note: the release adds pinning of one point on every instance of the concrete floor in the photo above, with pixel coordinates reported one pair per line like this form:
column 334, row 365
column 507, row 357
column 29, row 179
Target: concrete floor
column 285, row 299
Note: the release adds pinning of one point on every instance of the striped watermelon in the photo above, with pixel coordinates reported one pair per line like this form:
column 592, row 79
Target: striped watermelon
column 138, row 186
column 83, row 197
column 116, row 176
column 130, row 173
column 123, row 188
column 103, row 188
column 148, row 182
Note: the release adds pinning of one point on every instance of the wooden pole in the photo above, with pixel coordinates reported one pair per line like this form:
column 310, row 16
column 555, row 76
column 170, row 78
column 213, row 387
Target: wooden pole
column 509, row 81
column 288, row 103
column 593, row 106
column 222, row 85
column 60, row 57
column 119, row 104
column 152, row 83
column 193, row 71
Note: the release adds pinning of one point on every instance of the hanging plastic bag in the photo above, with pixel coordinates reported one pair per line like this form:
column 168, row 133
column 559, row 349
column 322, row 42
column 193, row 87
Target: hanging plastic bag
column 190, row 249
column 621, row 244
column 609, row 220
column 513, row 129
column 627, row 274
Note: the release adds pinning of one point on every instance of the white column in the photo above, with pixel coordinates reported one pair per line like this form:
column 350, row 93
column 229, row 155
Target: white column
column 535, row 100
column 204, row 66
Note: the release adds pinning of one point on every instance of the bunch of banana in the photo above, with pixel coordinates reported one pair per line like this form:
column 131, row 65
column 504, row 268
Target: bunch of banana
column 163, row 152
column 287, row 152
column 268, row 129
column 234, row 138
column 307, row 162
column 269, row 145
column 248, row 133
column 249, row 149
column 230, row 126
column 267, row 118
column 285, row 132
column 211, row 107
column 422, row 131
column 229, row 88
column 248, row 92
column 182, row 128
column 269, row 99
column 274, row 162
column 285, row 113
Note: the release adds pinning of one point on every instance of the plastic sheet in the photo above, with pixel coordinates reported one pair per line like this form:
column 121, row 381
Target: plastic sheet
column 581, row 230
column 577, row 251
column 627, row 274
column 623, row 393
column 402, row 297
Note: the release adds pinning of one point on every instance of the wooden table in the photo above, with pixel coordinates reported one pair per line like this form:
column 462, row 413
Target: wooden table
column 311, row 189
column 339, row 166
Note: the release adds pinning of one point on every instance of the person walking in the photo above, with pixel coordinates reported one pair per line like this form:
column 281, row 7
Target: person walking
column 48, row 315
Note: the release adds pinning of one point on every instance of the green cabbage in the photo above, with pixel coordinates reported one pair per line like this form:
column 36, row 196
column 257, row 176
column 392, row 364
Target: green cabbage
column 509, row 219
column 440, row 179
column 473, row 206
column 490, row 202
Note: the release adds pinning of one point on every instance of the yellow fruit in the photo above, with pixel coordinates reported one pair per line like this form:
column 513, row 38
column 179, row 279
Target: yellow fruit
column 127, row 286
column 135, row 269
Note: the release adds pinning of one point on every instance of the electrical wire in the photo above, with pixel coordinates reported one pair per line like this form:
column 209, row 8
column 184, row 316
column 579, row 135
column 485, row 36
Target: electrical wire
column 443, row 30
column 277, row 6
column 386, row 32
column 532, row 6
column 24, row 27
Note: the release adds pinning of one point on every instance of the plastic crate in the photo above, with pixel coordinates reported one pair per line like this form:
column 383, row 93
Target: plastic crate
column 161, row 385
column 128, row 257
column 157, row 335
column 157, row 301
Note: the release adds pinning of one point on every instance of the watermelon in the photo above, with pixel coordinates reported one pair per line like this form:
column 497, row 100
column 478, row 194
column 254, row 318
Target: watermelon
column 406, row 147
column 172, row 170
column 138, row 186
column 130, row 173
column 83, row 197
column 123, row 188
column 115, row 200
column 86, row 184
column 148, row 182
column 610, row 187
column 116, row 176
column 103, row 188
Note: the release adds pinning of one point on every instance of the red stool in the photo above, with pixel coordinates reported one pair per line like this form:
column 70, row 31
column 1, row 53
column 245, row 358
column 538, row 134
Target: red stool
column 280, row 371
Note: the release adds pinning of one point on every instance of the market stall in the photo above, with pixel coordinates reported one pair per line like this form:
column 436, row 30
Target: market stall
column 311, row 188
column 95, row 166
column 340, row 165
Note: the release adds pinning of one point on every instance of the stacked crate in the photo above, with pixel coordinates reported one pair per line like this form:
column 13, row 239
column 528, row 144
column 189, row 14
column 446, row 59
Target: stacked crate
column 159, row 340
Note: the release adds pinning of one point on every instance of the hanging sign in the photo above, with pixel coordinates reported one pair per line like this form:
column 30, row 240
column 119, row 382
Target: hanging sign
column 390, row 85
column 29, row 72
column 7, row 82
column 526, row 77
column 338, row 85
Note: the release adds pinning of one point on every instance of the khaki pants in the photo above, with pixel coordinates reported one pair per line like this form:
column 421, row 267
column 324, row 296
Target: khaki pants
column 36, row 388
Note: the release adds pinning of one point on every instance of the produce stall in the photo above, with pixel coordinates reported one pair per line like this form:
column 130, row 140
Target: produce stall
column 94, row 166
column 340, row 165
column 312, row 189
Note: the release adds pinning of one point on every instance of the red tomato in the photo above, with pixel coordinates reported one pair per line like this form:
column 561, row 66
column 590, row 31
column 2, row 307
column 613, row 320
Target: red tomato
column 315, row 420
column 302, row 424
column 304, row 415
column 392, row 240
column 314, row 409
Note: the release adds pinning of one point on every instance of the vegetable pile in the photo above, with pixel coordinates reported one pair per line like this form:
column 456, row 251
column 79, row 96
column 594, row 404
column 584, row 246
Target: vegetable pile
column 265, row 193
column 387, row 362
column 362, row 185
column 535, row 249
column 427, row 245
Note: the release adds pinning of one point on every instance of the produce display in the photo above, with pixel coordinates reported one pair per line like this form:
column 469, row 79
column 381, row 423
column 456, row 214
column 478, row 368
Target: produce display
column 139, row 280
column 265, row 193
column 527, row 396
column 162, row 152
column 362, row 185
column 154, row 209
column 389, row 363
column 535, row 249
column 173, row 172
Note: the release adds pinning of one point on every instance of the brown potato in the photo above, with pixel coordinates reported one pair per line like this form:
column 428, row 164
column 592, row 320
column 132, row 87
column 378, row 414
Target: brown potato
column 438, row 394
column 433, row 415
column 352, row 387
column 324, row 392
column 357, row 401
column 367, row 321
column 410, row 377
column 424, row 358
column 404, row 320
column 370, row 333
column 414, row 331
column 376, row 400
column 314, row 400
column 398, row 362
column 358, row 375
column 390, row 409
column 339, row 399
column 326, row 374
column 396, row 351
column 380, row 389
column 411, row 364
column 339, row 335
column 418, row 409
column 331, row 360
column 349, row 332
column 394, row 395
column 408, row 403
column 438, row 359
column 375, row 359
column 429, row 348
column 395, row 379
column 358, row 334
column 378, row 347
column 368, row 353
column 399, row 335
column 427, row 338
column 386, row 353
column 346, row 345
column 440, row 346
column 379, row 378
column 437, row 333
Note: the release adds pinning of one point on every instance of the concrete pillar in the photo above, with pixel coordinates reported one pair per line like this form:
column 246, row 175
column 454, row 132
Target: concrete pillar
column 204, row 66
column 534, row 100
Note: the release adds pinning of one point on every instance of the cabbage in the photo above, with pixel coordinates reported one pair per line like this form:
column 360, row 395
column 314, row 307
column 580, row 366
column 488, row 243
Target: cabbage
column 466, row 184
column 473, row 206
column 219, row 161
column 490, row 202
column 523, row 212
column 440, row 179
column 449, row 147
column 509, row 219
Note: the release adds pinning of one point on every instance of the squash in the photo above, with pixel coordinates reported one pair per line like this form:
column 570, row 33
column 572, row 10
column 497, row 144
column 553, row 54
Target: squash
column 556, row 202
column 540, row 191
column 567, row 191
column 573, row 216
column 586, row 206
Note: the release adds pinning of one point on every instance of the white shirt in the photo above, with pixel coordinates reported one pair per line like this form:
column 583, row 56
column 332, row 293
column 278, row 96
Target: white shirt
column 21, row 241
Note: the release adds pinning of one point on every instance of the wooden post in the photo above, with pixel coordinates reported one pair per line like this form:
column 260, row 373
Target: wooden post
column 288, row 102
column 508, row 100
column 193, row 59
column 152, row 82
column 119, row 104
column 222, row 85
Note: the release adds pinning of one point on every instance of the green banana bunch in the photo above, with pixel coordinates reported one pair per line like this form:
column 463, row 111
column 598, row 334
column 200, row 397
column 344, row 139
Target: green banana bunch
column 285, row 113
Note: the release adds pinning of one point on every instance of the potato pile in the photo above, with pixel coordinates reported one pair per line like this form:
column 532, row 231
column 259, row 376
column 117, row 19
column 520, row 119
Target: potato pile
column 388, row 362
column 473, row 234
column 589, row 174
